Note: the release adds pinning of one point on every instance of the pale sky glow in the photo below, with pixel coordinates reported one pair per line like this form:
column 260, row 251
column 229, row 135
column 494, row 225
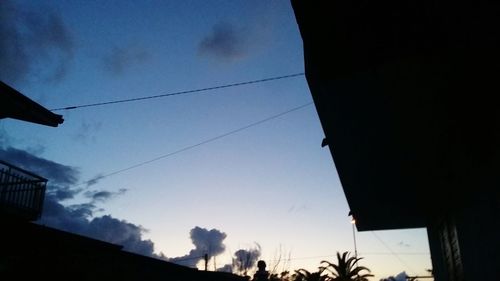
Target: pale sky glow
column 272, row 184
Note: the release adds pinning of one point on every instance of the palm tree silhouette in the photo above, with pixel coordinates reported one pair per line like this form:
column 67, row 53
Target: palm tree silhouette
column 345, row 269
column 304, row 275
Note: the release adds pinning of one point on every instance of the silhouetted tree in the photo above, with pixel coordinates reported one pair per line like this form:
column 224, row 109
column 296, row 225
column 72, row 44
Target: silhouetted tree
column 283, row 276
column 345, row 269
column 304, row 275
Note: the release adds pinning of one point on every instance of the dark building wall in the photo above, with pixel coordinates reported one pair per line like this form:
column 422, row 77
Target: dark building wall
column 478, row 231
column 464, row 243
column 406, row 92
column 30, row 251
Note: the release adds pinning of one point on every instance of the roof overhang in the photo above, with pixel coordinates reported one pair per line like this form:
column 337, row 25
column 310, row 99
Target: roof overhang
column 406, row 94
column 15, row 105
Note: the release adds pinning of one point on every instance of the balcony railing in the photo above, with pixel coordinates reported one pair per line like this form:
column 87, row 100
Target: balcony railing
column 21, row 192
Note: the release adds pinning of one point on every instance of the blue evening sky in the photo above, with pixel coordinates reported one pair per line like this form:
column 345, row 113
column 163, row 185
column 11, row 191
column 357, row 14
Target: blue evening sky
column 271, row 184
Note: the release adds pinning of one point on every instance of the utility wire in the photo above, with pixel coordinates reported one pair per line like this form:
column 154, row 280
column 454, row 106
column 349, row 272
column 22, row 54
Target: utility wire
column 198, row 144
column 360, row 254
column 181, row 92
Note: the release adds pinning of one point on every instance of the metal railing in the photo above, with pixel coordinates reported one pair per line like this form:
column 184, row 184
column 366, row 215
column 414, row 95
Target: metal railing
column 21, row 192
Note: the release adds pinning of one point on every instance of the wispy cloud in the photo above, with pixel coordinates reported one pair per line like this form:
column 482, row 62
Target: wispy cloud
column 225, row 42
column 94, row 180
column 33, row 40
column 87, row 131
column 296, row 209
column 119, row 59
column 103, row 195
column 403, row 244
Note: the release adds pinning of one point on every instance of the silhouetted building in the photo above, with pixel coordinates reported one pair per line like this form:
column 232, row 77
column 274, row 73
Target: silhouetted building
column 406, row 94
column 34, row 251
column 15, row 105
column 21, row 192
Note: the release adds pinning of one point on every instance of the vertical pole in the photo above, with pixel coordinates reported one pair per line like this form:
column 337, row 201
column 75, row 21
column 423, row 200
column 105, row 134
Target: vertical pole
column 354, row 237
column 206, row 262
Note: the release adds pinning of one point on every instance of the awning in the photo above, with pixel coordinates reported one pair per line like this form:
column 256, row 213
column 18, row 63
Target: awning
column 15, row 105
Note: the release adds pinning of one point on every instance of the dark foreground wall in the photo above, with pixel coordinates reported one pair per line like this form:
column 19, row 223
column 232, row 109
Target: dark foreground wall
column 31, row 251
column 407, row 95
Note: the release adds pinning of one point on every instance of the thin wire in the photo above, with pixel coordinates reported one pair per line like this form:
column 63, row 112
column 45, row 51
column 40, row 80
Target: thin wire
column 198, row 144
column 360, row 254
column 393, row 253
column 181, row 92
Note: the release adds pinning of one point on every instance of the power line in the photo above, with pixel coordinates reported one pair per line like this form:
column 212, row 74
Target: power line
column 398, row 253
column 360, row 254
column 181, row 92
column 199, row 144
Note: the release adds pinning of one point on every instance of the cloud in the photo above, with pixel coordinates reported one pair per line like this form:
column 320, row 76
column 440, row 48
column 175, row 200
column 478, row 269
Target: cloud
column 243, row 260
column 78, row 218
column 120, row 232
column 297, row 209
column 404, row 244
column 225, row 43
column 94, row 180
column 246, row 259
column 103, row 195
column 402, row 276
column 62, row 193
column 33, row 43
column 87, row 131
column 120, row 59
column 57, row 173
column 206, row 242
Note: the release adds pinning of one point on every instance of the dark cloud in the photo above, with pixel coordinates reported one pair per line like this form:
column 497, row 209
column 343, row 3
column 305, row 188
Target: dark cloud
column 118, row 60
column 58, row 174
column 94, row 180
column 62, row 193
column 78, row 218
column 33, row 41
column 103, row 195
column 225, row 42
column 120, row 232
column 243, row 260
column 206, row 242
column 402, row 276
